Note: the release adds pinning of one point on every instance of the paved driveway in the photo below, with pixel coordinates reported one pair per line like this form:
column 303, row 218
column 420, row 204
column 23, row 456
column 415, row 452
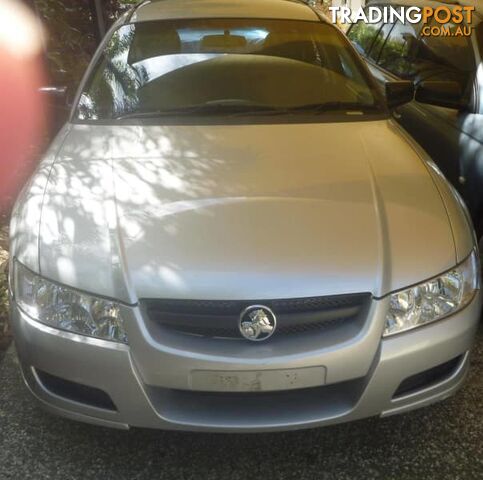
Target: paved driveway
column 440, row 442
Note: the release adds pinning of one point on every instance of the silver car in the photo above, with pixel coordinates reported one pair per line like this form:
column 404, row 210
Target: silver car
column 232, row 234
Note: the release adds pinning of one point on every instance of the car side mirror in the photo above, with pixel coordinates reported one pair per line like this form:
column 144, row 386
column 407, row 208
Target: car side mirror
column 447, row 94
column 58, row 102
column 57, row 95
column 398, row 93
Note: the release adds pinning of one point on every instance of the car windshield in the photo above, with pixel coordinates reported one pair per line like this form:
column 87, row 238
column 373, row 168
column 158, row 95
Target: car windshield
column 226, row 66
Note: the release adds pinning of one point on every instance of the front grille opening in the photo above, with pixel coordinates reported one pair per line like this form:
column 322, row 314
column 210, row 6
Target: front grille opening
column 428, row 378
column 257, row 409
column 76, row 392
column 219, row 318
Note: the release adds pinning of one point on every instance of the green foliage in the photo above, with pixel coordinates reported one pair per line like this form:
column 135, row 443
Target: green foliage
column 363, row 34
column 3, row 279
column 71, row 38
column 3, row 303
column 72, row 34
column 322, row 5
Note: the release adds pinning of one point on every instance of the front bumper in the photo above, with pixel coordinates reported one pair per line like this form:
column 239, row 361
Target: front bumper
column 151, row 385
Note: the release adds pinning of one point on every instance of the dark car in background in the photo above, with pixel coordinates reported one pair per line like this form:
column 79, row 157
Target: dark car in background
column 447, row 116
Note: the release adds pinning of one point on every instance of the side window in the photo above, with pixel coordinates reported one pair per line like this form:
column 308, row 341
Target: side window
column 379, row 41
column 362, row 35
column 446, row 58
column 400, row 49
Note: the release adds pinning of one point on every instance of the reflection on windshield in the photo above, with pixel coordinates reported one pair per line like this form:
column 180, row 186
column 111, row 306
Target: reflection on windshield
column 155, row 67
column 173, row 65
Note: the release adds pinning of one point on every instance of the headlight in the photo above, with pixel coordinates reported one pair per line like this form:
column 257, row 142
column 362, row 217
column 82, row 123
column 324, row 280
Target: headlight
column 434, row 299
column 67, row 309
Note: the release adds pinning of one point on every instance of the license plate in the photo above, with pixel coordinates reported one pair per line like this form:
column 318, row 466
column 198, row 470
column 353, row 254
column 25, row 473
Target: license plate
column 257, row 380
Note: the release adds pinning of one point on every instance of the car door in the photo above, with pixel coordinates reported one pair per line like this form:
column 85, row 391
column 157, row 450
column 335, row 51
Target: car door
column 471, row 140
column 443, row 132
column 407, row 55
column 451, row 137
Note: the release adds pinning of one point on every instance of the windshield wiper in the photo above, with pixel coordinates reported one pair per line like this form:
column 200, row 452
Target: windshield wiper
column 204, row 109
column 335, row 106
column 234, row 108
column 159, row 113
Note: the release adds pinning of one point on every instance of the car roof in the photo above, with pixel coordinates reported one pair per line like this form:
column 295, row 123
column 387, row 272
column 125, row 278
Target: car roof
column 432, row 3
column 182, row 9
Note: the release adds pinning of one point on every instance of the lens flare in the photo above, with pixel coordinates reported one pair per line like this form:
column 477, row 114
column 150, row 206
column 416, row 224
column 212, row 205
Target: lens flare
column 21, row 111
